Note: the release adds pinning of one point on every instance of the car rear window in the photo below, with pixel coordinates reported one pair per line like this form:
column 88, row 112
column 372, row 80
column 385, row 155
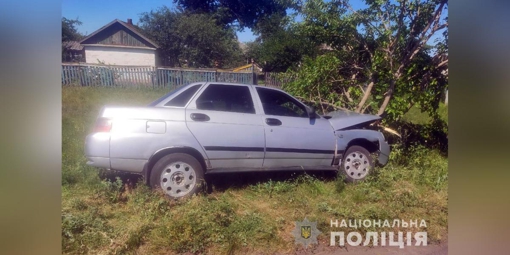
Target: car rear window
column 159, row 100
column 183, row 98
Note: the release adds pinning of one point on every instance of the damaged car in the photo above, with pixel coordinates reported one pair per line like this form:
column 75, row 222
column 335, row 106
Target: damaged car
column 214, row 127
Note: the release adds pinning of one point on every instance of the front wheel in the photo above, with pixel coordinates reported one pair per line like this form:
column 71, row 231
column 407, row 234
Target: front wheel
column 357, row 164
column 178, row 175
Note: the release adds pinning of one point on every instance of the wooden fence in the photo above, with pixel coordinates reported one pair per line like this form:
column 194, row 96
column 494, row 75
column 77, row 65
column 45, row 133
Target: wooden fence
column 145, row 76
column 277, row 80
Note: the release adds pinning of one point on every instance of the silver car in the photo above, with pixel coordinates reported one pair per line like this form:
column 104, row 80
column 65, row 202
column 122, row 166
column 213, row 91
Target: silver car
column 211, row 127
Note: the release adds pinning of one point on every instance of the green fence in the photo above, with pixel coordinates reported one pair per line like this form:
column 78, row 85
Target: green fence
column 145, row 76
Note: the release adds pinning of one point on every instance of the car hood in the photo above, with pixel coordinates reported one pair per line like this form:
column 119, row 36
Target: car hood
column 341, row 120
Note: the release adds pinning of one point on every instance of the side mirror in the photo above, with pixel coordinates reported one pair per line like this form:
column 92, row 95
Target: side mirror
column 311, row 113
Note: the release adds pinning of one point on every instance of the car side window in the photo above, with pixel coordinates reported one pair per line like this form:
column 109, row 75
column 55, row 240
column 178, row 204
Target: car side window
column 182, row 99
column 278, row 103
column 228, row 98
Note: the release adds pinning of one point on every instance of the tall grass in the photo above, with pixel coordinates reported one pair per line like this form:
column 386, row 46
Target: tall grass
column 242, row 213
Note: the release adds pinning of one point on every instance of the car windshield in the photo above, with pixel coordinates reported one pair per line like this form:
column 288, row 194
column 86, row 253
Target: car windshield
column 157, row 101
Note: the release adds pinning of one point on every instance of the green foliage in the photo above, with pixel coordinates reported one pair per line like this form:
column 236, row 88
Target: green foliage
column 69, row 30
column 327, row 23
column 88, row 227
column 383, row 64
column 243, row 14
column 70, row 33
column 340, row 183
column 318, row 81
column 270, row 187
column 428, row 167
column 111, row 189
column 279, row 52
column 136, row 237
column 433, row 135
column 191, row 40
column 203, row 222
column 280, row 46
column 416, row 116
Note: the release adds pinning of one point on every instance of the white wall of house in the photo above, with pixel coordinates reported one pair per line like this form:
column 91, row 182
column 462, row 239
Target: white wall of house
column 120, row 55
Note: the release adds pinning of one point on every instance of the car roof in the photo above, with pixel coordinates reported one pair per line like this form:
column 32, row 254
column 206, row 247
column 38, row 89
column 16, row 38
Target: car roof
column 251, row 85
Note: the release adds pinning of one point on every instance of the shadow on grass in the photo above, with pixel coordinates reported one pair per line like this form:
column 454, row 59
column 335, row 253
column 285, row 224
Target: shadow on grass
column 223, row 181
column 126, row 178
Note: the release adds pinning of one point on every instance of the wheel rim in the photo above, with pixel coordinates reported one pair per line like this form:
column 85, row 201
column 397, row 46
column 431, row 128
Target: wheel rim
column 356, row 165
column 178, row 179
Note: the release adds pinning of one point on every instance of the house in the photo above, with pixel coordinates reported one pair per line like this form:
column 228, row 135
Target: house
column 72, row 51
column 120, row 43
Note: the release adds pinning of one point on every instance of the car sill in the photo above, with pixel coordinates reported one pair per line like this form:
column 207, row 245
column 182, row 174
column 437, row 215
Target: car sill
column 270, row 169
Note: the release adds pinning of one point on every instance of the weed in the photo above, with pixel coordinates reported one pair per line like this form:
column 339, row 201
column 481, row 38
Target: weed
column 273, row 187
column 79, row 204
column 135, row 238
column 111, row 189
column 89, row 227
column 339, row 183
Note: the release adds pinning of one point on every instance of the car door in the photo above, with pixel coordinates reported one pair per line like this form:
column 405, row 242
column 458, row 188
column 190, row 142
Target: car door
column 292, row 138
column 223, row 119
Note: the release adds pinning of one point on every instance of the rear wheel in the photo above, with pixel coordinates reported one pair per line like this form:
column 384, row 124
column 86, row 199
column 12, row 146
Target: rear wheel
column 357, row 164
column 178, row 175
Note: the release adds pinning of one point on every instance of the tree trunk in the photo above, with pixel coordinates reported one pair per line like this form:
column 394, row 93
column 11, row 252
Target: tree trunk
column 389, row 93
column 365, row 96
column 387, row 98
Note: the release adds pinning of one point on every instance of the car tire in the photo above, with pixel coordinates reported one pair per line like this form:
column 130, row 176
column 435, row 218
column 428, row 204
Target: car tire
column 178, row 175
column 357, row 164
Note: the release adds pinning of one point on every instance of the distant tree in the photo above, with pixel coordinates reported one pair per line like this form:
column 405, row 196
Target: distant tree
column 69, row 33
column 69, row 30
column 237, row 12
column 280, row 50
column 279, row 45
column 161, row 25
column 192, row 40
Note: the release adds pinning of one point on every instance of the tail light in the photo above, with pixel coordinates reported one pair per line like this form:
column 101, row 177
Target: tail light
column 103, row 125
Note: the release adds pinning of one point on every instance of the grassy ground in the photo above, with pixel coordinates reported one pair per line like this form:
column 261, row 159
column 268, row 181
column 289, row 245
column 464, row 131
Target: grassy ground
column 417, row 117
column 109, row 213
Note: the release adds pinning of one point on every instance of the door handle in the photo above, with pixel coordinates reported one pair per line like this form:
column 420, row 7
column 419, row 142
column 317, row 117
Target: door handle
column 199, row 117
column 273, row 122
